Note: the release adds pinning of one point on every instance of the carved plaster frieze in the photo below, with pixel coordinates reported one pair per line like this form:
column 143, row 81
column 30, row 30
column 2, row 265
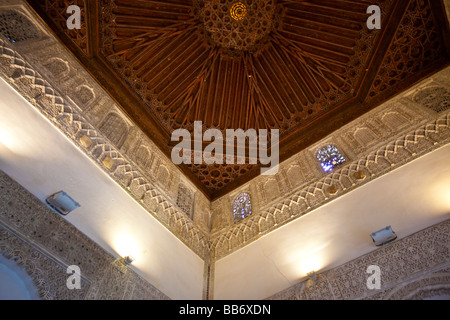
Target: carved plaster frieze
column 415, row 267
column 45, row 245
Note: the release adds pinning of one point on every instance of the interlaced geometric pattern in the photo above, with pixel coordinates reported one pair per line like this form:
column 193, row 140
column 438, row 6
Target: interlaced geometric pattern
column 58, row 10
column 238, row 11
column 434, row 98
column 415, row 46
column 242, row 206
column 15, row 27
column 185, row 199
column 330, row 158
column 237, row 25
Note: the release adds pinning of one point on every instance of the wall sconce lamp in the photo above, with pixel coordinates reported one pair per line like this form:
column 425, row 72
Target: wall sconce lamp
column 62, row 203
column 126, row 261
column 312, row 275
column 383, row 236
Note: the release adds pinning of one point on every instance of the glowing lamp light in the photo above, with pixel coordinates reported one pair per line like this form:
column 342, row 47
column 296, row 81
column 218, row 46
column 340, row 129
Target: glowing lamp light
column 12, row 142
column 6, row 138
column 126, row 261
column 309, row 267
column 127, row 248
column 312, row 275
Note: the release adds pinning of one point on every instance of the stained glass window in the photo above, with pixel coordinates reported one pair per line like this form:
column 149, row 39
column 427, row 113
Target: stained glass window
column 242, row 206
column 330, row 158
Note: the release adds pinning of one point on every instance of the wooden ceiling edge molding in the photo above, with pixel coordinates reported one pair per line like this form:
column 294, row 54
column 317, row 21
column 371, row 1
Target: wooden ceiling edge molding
column 68, row 43
column 388, row 33
column 384, row 46
column 91, row 11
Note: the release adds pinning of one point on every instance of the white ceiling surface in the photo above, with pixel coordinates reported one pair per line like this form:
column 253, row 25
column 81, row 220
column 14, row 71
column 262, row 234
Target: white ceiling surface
column 409, row 199
column 44, row 161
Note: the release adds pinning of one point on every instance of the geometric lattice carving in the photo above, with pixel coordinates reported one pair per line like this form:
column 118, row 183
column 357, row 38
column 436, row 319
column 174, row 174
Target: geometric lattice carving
column 330, row 158
column 115, row 129
column 434, row 98
column 64, row 245
column 394, row 120
column 143, row 156
column 57, row 67
column 416, row 45
column 85, row 95
column 185, row 199
column 58, row 10
column 242, row 206
column 215, row 177
column 15, row 27
column 248, row 21
column 415, row 267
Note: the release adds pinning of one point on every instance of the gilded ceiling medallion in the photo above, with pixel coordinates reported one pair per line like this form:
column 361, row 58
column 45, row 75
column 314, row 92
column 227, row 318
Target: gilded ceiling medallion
column 238, row 11
column 237, row 25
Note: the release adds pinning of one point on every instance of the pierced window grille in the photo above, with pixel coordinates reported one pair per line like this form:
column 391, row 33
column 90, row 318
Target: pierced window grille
column 242, row 206
column 15, row 27
column 330, row 158
column 434, row 98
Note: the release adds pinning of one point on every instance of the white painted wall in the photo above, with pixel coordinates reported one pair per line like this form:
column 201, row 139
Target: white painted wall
column 409, row 199
column 44, row 161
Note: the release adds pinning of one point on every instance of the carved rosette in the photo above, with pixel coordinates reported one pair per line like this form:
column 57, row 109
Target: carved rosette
column 238, row 25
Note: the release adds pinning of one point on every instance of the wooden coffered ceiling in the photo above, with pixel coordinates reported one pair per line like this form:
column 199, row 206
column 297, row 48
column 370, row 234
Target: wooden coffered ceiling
column 303, row 67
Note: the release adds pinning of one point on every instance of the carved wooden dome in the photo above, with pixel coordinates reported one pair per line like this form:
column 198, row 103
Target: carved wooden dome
column 237, row 25
column 303, row 67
